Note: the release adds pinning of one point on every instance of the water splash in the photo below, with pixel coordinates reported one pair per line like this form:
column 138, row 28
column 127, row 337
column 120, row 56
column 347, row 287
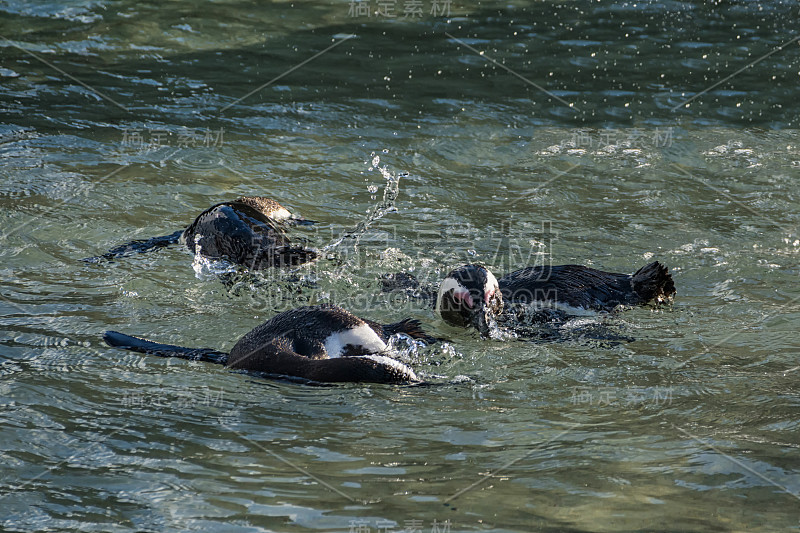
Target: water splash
column 404, row 348
column 379, row 210
column 498, row 332
column 206, row 269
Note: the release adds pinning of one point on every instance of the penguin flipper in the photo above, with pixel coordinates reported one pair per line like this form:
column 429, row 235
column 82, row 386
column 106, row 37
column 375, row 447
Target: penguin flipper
column 138, row 344
column 277, row 357
column 136, row 247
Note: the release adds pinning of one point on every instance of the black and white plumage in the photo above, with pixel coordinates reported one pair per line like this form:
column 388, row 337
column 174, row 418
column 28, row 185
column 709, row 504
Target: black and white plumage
column 470, row 295
column 322, row 343
column 577, row 289
column 248, row 231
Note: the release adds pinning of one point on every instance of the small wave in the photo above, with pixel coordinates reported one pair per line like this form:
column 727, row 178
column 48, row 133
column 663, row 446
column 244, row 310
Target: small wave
column 198, row 160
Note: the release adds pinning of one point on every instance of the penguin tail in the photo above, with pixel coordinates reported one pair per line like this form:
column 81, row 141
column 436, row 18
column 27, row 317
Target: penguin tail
column 653, row 282
column 138, row 344
column 410, row 327
column 136, row 247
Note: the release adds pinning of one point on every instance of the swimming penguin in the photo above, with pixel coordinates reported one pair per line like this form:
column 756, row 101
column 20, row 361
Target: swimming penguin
column 471, row 296
column 248, row 231
column 321, row 343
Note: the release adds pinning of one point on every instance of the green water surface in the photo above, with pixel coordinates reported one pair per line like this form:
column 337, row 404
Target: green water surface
column 609, row 134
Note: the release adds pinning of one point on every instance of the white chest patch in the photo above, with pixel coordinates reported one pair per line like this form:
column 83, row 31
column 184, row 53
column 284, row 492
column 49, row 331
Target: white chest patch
column 359, row 336
column 280, row 214
column 447, row 285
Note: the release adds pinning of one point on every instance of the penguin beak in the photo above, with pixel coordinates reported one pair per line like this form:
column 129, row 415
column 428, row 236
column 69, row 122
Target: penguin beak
column 482, row 320
column 484, row 316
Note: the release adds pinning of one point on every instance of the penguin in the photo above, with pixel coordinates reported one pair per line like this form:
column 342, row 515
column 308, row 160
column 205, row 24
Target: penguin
column 248, row 231
column 321, row 343
column 470, row 295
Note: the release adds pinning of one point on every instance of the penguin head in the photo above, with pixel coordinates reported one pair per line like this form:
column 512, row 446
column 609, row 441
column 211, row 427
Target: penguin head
column 267, row 207
column 470, row 296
